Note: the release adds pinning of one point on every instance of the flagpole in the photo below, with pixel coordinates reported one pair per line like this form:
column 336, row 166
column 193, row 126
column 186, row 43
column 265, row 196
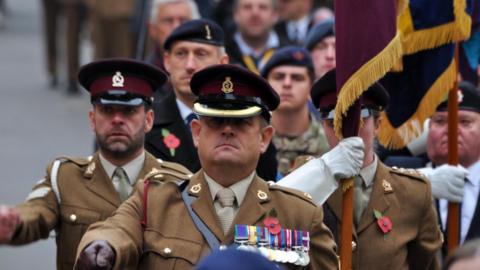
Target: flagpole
column 453, row 208
column 347, row 223
column 350, row 127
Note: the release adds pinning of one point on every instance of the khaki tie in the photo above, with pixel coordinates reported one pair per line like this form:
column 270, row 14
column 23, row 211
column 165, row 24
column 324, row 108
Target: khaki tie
column 359, row 200
column 226, row 212
column 122, row 183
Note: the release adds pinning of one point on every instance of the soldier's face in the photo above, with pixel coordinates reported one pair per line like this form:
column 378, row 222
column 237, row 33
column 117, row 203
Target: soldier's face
column 120, row 130
column 231, row 142
column 292, row 84
column 468, row 138
column 323, row 56
column 185, row 58
column 169, row 16
column 255, row 18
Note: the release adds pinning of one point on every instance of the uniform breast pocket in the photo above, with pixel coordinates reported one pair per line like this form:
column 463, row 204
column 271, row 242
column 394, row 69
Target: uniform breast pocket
column 160, row 252
column 74, row 223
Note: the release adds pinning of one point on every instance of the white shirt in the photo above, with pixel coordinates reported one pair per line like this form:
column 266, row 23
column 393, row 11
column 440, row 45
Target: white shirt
column 300, row 27
column 185, row 111
column 132, row 169
column 469, row 202
column 272, row 42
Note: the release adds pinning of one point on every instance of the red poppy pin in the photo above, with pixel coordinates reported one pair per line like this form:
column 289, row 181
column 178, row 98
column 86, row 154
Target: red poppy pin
column 170, row 140
column 383, row 222
column 272, row 223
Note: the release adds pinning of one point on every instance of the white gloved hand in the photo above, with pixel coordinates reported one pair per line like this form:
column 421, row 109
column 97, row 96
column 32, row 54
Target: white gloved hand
column 346, row 159
column 447, row 181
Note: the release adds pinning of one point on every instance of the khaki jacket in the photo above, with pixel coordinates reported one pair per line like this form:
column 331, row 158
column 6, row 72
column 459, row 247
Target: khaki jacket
column 404, row 197
column 171, row 240
column 84, row 194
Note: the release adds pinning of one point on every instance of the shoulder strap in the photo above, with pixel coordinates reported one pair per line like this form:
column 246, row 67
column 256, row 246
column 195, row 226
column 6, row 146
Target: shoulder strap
column 211, row 239
column 54, row 180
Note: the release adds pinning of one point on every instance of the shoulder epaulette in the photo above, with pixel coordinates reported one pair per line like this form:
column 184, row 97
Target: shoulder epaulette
column 80, row 161
column 296, row 193
column 412, row 173
column 168, row 169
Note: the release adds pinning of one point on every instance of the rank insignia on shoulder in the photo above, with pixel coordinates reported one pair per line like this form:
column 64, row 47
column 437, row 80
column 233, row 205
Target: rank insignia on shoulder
column 387, row 187
column 288, row 246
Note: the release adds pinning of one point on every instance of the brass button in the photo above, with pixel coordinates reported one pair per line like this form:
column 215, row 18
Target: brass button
column 354, row 245
column 167, row 250
column 73, row 217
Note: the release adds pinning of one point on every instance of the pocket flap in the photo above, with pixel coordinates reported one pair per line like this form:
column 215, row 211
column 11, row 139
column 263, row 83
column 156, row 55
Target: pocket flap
column 171, row 247
column 75, row 215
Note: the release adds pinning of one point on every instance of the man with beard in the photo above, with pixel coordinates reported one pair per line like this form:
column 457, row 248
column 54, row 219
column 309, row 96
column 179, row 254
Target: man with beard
column 77, row 192
column 225, row 202
column 255, row 41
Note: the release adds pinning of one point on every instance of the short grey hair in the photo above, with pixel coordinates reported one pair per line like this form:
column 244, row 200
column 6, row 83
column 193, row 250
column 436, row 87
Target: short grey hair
column 155, row 4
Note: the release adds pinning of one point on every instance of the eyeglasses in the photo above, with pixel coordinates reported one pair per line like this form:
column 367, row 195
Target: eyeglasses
column 330, row 114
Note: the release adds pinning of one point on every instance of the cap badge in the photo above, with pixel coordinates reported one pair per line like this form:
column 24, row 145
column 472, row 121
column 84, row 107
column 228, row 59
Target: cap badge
column 118, row 79
column 209, row 33
column 298, row 56
column 227, row 85
column 460, row 96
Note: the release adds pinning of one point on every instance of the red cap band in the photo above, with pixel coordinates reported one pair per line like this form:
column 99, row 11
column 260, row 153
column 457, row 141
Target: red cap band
column 123, row 83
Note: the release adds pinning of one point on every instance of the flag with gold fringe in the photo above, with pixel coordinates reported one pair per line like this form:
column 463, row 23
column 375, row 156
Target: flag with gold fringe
column 367, row 47
column 429, row 29
column 427, row 24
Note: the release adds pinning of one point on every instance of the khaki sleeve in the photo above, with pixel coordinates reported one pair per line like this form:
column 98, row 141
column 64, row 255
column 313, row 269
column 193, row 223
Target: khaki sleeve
column 422, row 252
column 38, row 214
column 122, row 231
column 322, row 245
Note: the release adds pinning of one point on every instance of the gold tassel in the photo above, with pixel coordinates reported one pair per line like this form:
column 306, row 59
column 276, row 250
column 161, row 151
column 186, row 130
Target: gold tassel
column 364, row 77
column 396, row 138
column 417, row 40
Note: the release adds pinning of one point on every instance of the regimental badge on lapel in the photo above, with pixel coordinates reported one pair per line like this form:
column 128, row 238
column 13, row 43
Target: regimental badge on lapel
column 90, row 169
column 387, row 187
column 196, row 188
column 118, row 79
column 227, row 85
column 208, row 34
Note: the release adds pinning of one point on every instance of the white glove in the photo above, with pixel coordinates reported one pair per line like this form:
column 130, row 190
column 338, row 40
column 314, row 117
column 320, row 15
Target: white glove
column 319, row 176
column 447, row 181
column 346, row 159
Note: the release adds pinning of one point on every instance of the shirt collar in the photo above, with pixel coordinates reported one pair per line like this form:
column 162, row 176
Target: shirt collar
column 272, row 42
column 474, row 173
column 185, row 111
column 132, row 168
column 368, row 173
column 301, row 25
column 239, row 188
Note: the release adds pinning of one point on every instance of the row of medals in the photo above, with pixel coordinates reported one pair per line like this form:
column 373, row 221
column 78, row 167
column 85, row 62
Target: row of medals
column 258, row 239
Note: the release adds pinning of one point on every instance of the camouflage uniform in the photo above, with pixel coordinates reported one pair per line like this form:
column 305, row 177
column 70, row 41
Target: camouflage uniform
column 313, row 142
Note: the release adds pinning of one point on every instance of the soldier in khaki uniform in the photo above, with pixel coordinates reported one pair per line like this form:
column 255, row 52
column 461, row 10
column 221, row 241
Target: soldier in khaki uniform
column 185, row 219
column 77, row 192
column 395, row 222
column 110, row 23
